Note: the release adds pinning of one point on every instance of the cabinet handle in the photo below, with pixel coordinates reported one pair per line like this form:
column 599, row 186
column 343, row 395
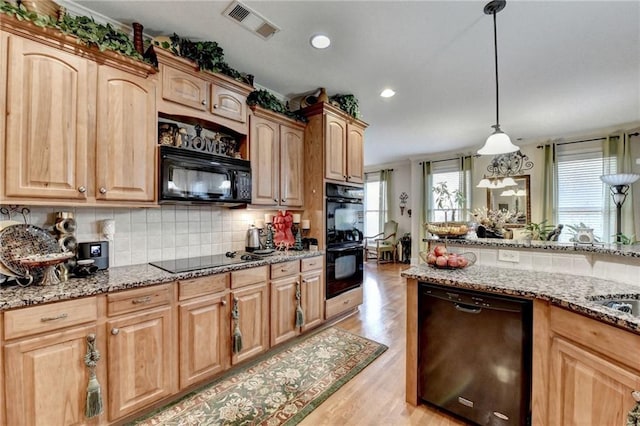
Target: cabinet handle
column 142, row 300
column 215, row 106
column 103, row 190
column 284, row 200
column 115, row 331
column 275, row 200
column 204, row 102
column 223, row 302
column 346, row 302
column 82, row 189
column 57, row 317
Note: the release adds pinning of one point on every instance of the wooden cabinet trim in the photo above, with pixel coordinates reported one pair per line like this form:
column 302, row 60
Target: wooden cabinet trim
column 45, row 318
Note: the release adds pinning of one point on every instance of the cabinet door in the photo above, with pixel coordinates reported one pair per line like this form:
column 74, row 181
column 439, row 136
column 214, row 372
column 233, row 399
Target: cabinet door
column 48, row 119
column 263, row 146
column 335, row 148
column 125, row 160
column 283, row 309
column 183, row 88
column 312, row 299
column 204, row 338
column 355, row 154
column 46, row 379
column 253, row 320
column 291, row 166
column 587, row 389
column 140, row 360
column 228, row 104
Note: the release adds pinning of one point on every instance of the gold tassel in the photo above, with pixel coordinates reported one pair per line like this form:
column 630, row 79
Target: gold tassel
column 299, row 312
column 237, row 335
column 633, row 417
column 94, row 405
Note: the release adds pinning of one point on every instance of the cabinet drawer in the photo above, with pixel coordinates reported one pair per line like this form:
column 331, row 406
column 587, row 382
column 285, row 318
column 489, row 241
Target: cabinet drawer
column 195, row 287
column 139, row 299
column 344, row 302
column 285, row 269
column 248, row 276
column 53, row 316
column 311, row 263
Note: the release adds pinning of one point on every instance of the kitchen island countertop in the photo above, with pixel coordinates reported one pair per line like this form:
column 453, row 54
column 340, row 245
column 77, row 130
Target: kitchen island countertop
column 573, row 292
column 122, row 278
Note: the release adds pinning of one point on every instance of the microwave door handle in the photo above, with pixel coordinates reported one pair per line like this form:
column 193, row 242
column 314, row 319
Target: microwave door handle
column 234, row 186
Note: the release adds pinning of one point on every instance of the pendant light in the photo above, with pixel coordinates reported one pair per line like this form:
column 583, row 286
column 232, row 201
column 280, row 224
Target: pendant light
column 498, row 142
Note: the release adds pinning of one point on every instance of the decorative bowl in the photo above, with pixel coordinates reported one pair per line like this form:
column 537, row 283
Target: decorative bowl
column 447, row 229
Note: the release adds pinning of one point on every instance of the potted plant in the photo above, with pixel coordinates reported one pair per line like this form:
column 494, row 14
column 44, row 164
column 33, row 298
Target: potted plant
column 446, row 199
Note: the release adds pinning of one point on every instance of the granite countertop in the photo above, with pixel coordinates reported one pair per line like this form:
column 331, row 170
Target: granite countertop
column 573, row 292
column 124, row 277
column 610, row 249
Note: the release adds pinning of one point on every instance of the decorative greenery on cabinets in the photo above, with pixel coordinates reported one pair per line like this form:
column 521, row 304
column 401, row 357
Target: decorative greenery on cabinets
column 91, row 33
column 267, row 100
column 347, row 103
column 208, row 55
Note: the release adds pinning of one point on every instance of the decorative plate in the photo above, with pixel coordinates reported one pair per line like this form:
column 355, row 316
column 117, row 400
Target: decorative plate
column 20, row 241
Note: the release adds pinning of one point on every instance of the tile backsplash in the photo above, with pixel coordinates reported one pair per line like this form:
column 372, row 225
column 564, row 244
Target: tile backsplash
column 150, row 234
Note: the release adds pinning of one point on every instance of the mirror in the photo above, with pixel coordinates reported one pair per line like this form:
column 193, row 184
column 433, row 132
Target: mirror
column 514, row 198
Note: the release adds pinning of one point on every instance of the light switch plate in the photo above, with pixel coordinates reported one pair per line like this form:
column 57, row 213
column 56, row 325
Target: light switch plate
column 509, row 256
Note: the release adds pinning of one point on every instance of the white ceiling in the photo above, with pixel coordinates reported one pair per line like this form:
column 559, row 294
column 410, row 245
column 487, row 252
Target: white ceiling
column 565, row 66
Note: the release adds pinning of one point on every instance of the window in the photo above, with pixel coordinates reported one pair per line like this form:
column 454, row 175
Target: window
column 582, row 197
column 372, row 204
column 449, row 173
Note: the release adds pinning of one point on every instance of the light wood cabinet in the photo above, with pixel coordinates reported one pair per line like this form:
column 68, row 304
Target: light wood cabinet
column 276, row 149
column 188, row 92
column 125, row 158
column 335, row 145
column 204, row 319
column 141, row 350
column 355, row 153
column 78, row 132
column 250, row 300
column 313, row 294
column 45, row 376
column 343, row 302
column 283, row 308
column 48, row 121
column 583, row 371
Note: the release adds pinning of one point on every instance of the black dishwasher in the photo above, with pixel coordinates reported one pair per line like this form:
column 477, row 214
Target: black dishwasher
column 474, row 354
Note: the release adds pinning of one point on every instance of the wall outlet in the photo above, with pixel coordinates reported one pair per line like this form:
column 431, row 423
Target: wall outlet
column 509, row 256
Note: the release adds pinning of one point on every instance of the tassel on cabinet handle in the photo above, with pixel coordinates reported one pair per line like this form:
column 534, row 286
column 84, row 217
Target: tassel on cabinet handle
column 94, row 404
column 299, row 311
column 237, row 334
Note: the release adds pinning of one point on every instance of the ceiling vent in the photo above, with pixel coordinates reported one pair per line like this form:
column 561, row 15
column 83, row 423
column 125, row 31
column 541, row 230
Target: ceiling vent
column 250, row 19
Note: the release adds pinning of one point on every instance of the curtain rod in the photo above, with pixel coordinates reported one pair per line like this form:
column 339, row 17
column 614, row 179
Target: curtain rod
column 377, row 171
column 569, row 143
column 448, row 159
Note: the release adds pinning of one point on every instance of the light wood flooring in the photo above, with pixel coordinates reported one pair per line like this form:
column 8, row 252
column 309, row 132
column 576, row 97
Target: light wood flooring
column 376, row 396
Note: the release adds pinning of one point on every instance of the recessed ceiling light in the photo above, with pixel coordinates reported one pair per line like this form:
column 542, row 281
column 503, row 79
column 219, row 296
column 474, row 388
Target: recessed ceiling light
column 387, row 93
column 320, row 41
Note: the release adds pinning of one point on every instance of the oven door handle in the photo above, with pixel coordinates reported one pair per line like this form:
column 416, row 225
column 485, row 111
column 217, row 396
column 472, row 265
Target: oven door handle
column 339, row 250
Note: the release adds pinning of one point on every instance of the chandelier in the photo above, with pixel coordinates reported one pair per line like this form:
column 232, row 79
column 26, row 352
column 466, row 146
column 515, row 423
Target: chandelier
column 502, row 167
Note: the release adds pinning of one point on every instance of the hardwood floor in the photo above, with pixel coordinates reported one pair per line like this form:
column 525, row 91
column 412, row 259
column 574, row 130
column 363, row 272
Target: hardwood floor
column 376, row 396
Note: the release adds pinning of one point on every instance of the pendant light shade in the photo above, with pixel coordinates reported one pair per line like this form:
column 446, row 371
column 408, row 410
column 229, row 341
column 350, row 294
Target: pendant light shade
column 498, row 142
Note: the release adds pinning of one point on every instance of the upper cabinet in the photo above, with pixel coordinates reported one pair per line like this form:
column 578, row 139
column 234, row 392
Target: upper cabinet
column 203, row 95
column 342, row 139
column 276, row 146
column 80, row 124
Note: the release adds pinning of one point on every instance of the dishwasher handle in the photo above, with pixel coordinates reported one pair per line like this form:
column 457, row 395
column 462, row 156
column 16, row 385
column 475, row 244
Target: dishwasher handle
column 467, row 310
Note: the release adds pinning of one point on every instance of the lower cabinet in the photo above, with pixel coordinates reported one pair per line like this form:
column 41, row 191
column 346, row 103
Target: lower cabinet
column 249, row 313
column 204, row 318
column 140, row 349
column 285, row 298
column 584, row 370
column 313, row 292
column 344, row 302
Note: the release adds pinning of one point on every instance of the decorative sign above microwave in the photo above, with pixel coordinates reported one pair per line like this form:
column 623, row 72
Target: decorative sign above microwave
column 212, row 143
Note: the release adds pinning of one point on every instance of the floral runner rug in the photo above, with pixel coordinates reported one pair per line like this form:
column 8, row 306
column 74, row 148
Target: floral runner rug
column 280, row 388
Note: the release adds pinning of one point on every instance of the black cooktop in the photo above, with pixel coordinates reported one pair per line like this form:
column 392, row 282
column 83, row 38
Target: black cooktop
column 195, row 263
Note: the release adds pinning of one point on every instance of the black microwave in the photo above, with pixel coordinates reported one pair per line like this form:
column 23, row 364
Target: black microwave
column 192, row 177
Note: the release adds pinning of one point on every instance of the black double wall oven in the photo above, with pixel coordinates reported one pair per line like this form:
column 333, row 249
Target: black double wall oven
column 345, row 223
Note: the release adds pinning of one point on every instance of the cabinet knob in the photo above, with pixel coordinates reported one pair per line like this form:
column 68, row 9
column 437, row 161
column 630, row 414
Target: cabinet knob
column 275, row 200
column 204, row 102
column 103, row 190
column 223, row 302
column 82, row 189
column 115, row 331
column 215, row 106
column 283, row 200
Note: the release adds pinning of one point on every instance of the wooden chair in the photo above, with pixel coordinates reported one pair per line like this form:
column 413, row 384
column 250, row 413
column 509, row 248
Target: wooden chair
column 377, row 246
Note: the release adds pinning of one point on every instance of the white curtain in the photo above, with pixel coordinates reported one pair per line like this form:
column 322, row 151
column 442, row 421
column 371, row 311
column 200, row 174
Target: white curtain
column 386, row 185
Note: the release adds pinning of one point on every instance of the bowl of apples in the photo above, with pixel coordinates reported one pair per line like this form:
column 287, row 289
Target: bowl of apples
column 440, row 258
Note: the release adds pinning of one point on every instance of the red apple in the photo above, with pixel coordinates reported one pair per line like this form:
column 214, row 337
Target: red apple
column 440, row 250
column 442, row 260
column 431, row 259
column 462, row 261
column 452, row 261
